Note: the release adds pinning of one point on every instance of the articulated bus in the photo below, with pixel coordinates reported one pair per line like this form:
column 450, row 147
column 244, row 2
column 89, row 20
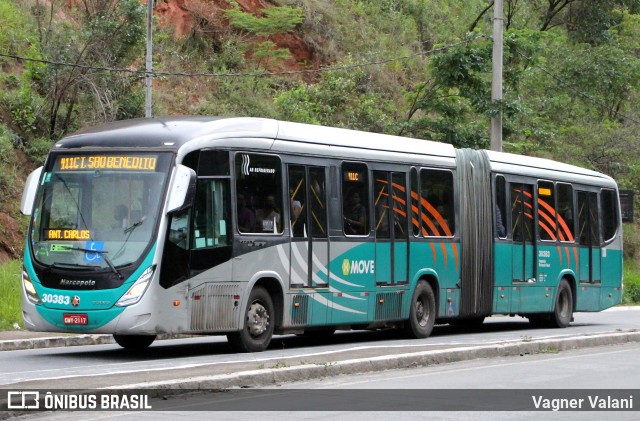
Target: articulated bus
column 250, row 227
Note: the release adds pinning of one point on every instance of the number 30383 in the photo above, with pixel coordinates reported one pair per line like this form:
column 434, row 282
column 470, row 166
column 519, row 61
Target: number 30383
column 56, row 299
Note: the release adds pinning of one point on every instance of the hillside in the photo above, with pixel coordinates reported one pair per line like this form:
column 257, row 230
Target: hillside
column 413, row 67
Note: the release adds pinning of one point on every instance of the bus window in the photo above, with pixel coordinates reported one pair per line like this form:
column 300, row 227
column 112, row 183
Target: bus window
column 259, row 193
column 566, row 221
column 609, row 206
column 355, row 199
column 415, row 203
column 588, row 219
column 501, row 207
column 214, row 163
column 546, row 211
column 436, row 200
column 298, row 201
column 381, row 204
column 399, row 202
column 522, row 212
column 317, row 200
column 211, row 218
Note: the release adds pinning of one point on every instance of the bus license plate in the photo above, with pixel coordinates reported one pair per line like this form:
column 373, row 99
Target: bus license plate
column 76, row 319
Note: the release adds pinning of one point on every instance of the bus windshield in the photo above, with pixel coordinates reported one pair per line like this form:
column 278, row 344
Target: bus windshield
column 98, row 210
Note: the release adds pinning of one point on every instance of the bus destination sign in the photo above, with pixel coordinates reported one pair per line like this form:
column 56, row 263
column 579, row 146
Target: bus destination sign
column 67, row 234
column 107, row 162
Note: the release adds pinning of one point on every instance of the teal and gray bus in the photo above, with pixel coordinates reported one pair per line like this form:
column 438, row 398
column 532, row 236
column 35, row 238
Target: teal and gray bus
column 250, row 227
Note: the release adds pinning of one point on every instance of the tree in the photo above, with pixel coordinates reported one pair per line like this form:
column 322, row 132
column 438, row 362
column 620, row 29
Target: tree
column 94, row 33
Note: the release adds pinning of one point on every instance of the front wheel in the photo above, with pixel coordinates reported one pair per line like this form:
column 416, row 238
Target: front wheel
column 134, row 342
column 422, row 312
column 257, row 331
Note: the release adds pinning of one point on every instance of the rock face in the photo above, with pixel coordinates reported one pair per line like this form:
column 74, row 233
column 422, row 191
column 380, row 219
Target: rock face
column 11, row 239
column 179, row 15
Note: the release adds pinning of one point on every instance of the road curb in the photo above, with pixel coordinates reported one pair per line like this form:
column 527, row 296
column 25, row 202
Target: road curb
column 70, row 340
column 54, row 341
column 274, row 376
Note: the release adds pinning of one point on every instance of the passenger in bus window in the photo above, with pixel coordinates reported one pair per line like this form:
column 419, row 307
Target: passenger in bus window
column 355, row 216
column 269, row 216
column 246, row 218
column 121, row 215
column 297, row 217
column 500, row 228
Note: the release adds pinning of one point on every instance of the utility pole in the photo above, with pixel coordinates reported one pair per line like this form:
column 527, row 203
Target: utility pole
column 496, row 83
column 148, row 76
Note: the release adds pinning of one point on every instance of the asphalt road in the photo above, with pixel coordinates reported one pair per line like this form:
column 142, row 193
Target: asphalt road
column 447, row 391
column 168, row 363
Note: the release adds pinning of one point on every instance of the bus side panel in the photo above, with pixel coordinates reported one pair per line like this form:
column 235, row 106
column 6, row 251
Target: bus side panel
column 352, row 283
column 588, row 297
column 443, row 260
column 536, row 295
column 611, row 267
column 503, row 278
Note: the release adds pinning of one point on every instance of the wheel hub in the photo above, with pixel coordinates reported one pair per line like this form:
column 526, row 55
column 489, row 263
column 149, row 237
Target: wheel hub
column 420, row 313
column 257, row 319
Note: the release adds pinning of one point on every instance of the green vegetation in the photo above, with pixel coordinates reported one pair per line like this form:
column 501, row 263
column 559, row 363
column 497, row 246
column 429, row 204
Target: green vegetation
column 11, row 308
column 631, row 283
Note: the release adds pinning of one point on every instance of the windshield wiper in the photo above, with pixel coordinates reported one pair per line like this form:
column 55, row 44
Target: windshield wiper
column 135, row 225
column 129, row 230
column 103, row 253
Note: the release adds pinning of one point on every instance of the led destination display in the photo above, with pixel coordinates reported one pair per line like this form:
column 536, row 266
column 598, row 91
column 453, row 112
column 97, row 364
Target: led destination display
column 107, row 162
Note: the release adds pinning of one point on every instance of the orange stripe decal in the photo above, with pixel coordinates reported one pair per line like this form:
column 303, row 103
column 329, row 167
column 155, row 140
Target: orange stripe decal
column 560, row 254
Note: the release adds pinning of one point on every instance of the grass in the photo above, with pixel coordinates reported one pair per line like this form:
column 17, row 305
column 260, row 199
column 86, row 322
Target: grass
column 10, row 310
column 631, row 282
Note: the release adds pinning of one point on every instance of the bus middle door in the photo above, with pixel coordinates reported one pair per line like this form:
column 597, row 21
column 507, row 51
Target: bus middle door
column 309, row 239
column 524, row 248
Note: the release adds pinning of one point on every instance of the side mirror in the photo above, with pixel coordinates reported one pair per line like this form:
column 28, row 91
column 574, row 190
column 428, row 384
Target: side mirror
column 30, row 190
column 182, row 190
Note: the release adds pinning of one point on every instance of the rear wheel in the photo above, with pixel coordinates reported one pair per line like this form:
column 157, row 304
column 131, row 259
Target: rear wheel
column 422, row 312
column 259, row 321
column 134, row 342
column 563, row 310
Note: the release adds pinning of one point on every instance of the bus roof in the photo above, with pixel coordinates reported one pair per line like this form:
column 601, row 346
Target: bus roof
column 177, row 132
column 185, row 134
column 539, row 167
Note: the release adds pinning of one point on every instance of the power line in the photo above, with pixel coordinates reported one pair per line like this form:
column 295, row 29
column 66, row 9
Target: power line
column 142, row 73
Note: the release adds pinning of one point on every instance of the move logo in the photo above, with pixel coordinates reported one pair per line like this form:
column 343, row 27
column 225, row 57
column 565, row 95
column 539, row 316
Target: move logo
column 357, row 267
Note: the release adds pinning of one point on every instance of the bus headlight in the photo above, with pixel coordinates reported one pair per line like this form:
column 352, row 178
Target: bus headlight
column 29, row 289
column 138, row 288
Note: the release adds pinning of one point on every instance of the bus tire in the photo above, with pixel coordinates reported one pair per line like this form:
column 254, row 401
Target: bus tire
column 422, row 312
column 134, row 342
column 259, row 320
column 563, row 308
